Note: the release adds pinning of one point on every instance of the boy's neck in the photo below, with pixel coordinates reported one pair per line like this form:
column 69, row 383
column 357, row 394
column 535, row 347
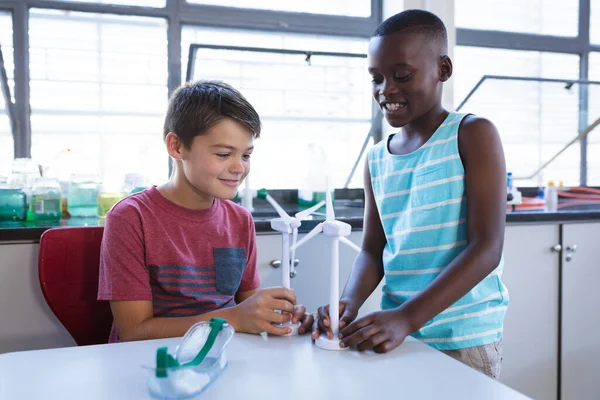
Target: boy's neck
column 427, row 124
column 180, row 191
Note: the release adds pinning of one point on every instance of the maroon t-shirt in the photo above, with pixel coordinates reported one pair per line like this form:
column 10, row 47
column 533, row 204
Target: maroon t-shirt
column 187, row 262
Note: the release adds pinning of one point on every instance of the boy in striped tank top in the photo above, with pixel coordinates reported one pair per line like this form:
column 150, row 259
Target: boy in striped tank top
column 435, row 197
column 181, row 253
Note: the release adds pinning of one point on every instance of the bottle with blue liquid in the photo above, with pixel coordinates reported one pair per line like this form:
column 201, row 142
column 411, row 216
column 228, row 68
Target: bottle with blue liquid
column 82, row 196
column 13, row 203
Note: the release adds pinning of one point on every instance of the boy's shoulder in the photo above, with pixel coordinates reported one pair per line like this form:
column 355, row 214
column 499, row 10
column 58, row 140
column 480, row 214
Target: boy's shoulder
column 477, row 137
column 131, row 205
column 149, row 206
column 472, row 124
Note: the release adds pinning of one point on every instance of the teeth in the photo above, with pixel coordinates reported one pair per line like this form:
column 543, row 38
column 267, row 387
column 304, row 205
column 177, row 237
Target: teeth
column 393, row 106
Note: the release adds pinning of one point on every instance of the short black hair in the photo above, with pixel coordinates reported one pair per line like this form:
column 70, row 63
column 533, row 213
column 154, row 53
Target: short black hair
column 420, row 21
column 195, row 107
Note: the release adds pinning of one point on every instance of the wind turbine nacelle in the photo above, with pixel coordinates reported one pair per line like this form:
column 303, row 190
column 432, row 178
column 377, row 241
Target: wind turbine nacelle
column 336, row 228
column 279, row 225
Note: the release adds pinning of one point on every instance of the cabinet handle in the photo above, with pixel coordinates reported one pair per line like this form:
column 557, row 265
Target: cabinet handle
column 568, row 257
column 277, row 263
column 572, row 248
column 557, row 248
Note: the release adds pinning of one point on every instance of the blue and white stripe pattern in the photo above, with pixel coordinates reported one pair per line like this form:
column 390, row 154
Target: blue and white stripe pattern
column 422, row 205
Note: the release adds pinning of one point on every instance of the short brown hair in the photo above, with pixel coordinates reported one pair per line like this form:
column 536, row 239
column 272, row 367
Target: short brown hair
column 195, row 107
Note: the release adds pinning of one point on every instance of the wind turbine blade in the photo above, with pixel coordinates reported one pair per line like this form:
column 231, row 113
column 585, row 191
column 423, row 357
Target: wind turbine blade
column 278, row 208
column 348, row 243
column 315, row 231
column 329, row 213
column 305, row 213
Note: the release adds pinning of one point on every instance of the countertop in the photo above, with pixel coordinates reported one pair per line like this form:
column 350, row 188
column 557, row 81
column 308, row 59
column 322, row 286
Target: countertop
column 349, row 211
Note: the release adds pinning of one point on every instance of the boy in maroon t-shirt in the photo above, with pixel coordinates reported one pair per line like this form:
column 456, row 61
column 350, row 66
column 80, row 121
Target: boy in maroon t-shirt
column 181, row 253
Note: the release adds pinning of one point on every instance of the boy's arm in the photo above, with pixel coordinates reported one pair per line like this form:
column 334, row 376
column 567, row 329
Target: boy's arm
column 135, row 321
column 485, row 177
column 367, row 270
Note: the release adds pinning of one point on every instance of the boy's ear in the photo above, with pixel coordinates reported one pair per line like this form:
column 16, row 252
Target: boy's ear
column 445, row 68
column 174, row 145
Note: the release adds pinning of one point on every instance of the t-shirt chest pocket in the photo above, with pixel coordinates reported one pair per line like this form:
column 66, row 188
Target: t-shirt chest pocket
column 229, row 268
column 429, row 185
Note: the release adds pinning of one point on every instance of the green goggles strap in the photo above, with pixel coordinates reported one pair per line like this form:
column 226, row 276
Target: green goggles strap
column 165, row 361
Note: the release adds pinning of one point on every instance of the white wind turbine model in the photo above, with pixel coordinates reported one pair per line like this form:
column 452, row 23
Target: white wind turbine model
column 286, row 225
column 337, row 231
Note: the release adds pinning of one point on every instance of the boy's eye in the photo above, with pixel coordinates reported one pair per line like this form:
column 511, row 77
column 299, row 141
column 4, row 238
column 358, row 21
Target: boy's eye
column 223, row 155
column 377, row 80
column 246, row 156
column 401, row 78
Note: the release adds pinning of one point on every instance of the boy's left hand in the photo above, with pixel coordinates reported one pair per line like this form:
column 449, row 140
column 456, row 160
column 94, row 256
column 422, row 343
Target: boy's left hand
column 381, row 331
column 307, row 319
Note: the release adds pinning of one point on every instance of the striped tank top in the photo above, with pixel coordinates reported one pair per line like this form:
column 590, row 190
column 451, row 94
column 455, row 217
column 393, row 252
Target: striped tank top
column 422, row 205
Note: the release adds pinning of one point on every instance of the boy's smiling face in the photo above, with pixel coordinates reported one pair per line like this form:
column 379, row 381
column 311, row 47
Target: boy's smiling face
column 407, row 72
column 218, row 161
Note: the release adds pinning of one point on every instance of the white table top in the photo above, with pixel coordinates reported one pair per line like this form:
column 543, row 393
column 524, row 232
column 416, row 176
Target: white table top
column 281, row 368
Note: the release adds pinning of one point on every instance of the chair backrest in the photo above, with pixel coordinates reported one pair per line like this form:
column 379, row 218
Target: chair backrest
column 68, row 264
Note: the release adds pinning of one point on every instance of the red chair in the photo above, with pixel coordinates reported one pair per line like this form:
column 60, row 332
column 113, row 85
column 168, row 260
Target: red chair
column 68, row 269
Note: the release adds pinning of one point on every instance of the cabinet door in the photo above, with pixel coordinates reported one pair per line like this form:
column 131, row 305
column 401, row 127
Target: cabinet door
column 580, row 364
column 311, row 283
column 531, row 274
column 268, row 248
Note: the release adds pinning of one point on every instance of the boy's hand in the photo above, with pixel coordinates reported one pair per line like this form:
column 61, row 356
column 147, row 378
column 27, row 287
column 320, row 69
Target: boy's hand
column 347, row 315
column 307, row 319
column 257, row 313
column 381, row 331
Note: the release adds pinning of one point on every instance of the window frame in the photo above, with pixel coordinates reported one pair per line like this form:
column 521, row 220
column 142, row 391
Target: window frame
column 580, row 45
column 177, row 13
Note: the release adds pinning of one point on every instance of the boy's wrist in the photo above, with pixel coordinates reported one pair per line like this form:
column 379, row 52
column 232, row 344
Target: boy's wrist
column 231, row 315
column 407, row 313
column 350, row 303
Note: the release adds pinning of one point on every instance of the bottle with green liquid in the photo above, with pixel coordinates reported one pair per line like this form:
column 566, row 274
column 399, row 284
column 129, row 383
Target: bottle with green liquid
column 45, row 202
column 109, row 195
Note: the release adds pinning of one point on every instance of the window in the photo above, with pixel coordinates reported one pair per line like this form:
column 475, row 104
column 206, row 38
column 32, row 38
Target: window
column 535, row 120
column 327, row 102
column 141, row 3
column 594, row 17
column 352, row 8
column 548, row 17
column 593, row 150
column 99, row 87
column 6, row 140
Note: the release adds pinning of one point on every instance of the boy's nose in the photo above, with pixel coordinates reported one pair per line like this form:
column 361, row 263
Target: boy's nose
column 387, row 88
column 237, row 167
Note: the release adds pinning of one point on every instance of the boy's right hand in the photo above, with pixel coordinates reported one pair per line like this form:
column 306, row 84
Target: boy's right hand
column 348, row 314
column 257, row 313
